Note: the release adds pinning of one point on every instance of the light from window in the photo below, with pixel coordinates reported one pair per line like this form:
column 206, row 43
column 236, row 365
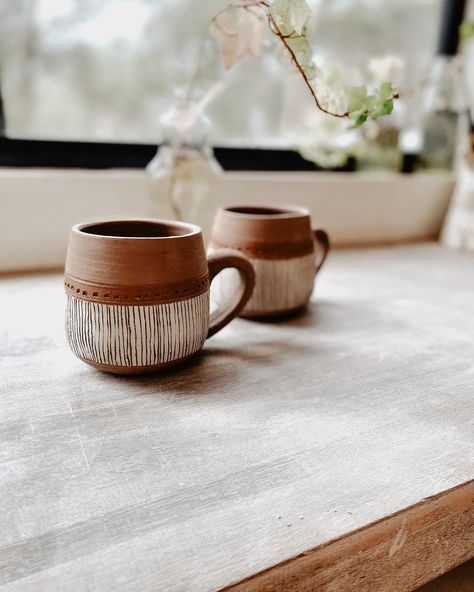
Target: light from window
column 107, row 69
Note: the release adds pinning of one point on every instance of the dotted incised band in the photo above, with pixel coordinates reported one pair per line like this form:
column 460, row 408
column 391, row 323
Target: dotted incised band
column 286, row 250
column 135, row 295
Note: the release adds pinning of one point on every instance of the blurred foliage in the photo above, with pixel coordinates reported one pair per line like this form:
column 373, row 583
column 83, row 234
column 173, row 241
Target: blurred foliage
column 467, row 31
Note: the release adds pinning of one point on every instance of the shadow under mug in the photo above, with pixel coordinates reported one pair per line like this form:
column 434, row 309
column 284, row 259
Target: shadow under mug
column 284, row 250
column 138, row 293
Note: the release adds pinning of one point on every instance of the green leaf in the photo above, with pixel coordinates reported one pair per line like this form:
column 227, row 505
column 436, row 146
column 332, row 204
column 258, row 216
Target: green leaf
column 300, row 46
column 386, row 91
column 302, row 50
column 370, row 102
column 356, row 96
column 359, row 117
column 292, row 14
column 291, row 17
column 382, row 108
column 361, row 107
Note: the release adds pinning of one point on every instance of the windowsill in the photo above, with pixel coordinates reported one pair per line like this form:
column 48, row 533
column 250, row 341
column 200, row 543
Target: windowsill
column 38, row 206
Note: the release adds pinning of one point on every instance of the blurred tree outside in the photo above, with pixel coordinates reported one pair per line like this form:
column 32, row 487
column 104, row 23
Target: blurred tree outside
column 107, row 69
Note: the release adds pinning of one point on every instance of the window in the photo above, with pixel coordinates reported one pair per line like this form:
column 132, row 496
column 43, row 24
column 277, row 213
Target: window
column 105, row 70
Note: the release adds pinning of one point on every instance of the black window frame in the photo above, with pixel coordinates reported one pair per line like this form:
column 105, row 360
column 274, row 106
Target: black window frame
column 16, row 152
column 2, row 115
column 108, row 155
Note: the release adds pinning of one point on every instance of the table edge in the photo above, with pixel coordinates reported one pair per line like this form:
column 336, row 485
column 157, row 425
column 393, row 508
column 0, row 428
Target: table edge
column 388, row 555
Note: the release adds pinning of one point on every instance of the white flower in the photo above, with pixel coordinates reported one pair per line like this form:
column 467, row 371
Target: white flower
column 328, row 141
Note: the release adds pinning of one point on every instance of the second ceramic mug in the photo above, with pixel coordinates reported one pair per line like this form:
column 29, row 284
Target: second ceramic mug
column 285, row 252
column 138, row 293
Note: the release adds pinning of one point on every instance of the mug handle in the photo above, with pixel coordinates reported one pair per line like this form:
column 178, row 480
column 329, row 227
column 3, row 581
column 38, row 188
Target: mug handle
column 217, row 261
column 322, row 242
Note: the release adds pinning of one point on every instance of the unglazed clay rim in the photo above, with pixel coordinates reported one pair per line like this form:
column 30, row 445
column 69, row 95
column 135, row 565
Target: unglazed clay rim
column 264, row 216
column 193, row 228
column 111, row 292
column 285, row 212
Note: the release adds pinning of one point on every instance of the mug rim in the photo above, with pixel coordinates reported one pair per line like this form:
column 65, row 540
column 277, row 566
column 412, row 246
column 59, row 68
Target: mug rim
column 192, row 229
column 262, row 212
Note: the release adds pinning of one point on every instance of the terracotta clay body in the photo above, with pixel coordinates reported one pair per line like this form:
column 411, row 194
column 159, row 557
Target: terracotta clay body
column 138, row 293
column 285, row 252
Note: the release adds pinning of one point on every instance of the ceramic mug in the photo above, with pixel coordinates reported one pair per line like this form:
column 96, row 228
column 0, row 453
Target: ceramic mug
column 285, row 253
column 138, row 293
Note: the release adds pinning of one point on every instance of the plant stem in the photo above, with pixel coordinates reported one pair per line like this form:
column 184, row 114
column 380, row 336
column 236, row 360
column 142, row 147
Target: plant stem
column 265, row 7
column 283, row 38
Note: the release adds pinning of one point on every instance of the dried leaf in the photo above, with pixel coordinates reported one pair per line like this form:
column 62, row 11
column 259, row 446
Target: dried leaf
column 239, row 34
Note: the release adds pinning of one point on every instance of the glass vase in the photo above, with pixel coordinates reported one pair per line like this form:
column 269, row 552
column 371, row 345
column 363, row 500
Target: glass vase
column 184, row 173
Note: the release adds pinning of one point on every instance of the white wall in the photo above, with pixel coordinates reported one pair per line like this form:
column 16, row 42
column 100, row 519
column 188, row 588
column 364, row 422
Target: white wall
column 38, row 206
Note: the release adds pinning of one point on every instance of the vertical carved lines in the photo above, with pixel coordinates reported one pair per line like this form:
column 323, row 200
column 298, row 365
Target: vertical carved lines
column 136, row 335
column 281, row 284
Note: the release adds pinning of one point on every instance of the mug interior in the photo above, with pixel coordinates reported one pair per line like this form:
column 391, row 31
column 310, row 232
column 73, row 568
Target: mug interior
column 265, row 211
column 137, row 229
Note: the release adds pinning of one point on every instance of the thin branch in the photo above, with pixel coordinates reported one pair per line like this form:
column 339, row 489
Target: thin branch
column 283, row 38
column 265, row 7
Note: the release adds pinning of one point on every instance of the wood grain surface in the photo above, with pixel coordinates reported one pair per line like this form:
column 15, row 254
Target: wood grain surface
column 460, row 579
column 337, row 444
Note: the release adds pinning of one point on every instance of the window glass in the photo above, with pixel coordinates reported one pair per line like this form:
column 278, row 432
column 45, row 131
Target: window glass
column 107, row 69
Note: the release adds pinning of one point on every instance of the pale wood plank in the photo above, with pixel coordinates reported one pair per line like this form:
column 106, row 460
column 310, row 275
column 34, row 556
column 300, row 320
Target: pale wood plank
column 276, row 441
column 396, row 553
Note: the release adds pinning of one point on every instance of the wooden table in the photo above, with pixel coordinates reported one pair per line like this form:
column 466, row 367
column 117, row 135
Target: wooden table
column 460, row 579
column 333, row 452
